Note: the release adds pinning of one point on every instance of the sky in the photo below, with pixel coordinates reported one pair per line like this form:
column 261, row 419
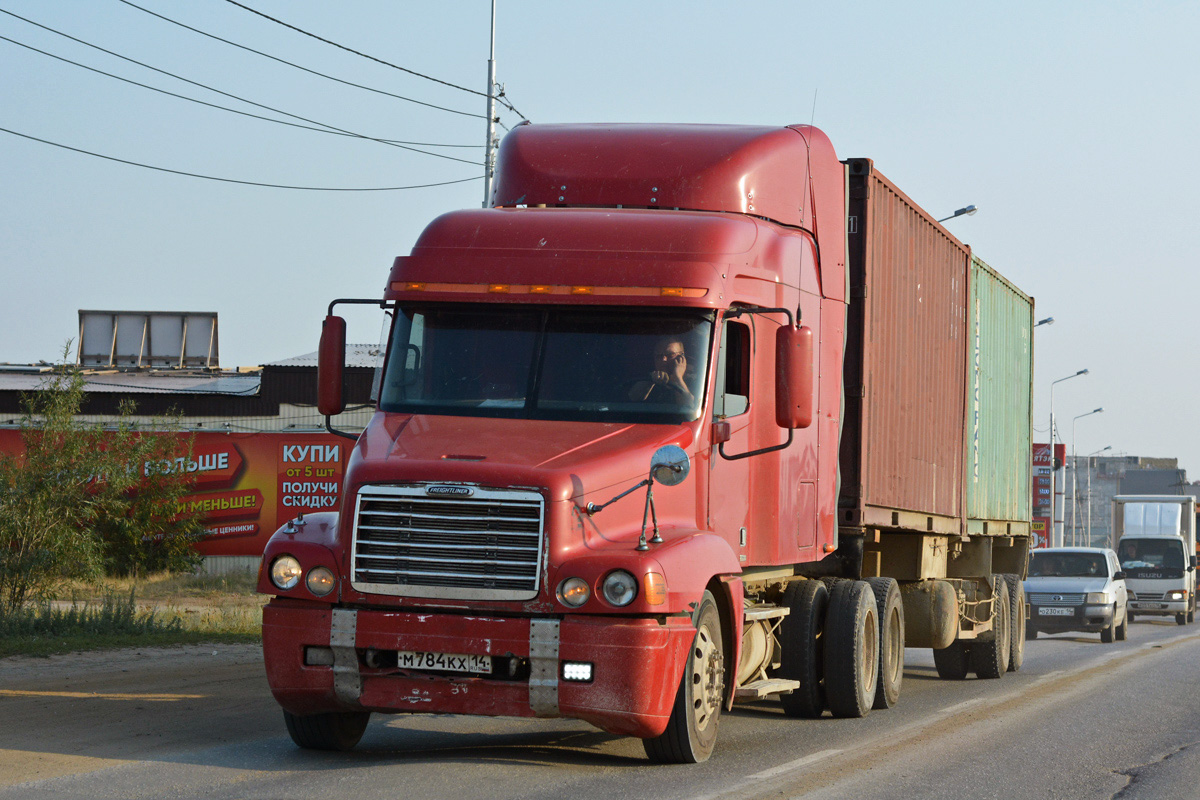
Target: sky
column 1071, row 125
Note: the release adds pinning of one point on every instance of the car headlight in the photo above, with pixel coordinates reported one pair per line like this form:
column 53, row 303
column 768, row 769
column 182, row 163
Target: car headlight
column 620, row 588
column 574, row 592
column 1176, row 594
column 285, row 572
column 320, row 581
column 1097, row 598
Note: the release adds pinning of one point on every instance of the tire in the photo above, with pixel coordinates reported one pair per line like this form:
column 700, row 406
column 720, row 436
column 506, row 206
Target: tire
column 1030, row 632
column 1130, row 616
column 802, row 635
column 952, row 662
column 891, row 641
column 1181, row 619
column 851, row 649
column 691, row 731
column 1123, row 628
column 333, row 731
column 1109, row 634
column 1016, row 622
column 989, row 658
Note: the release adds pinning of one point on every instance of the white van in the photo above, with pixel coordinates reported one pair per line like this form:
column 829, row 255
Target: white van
column 1155, row 539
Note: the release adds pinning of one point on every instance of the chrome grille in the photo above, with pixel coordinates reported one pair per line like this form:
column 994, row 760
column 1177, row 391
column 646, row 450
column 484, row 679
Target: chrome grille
column 448, row 541
column 1055, row 599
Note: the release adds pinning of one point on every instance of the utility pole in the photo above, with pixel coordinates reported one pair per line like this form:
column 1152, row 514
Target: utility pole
column 489, row 158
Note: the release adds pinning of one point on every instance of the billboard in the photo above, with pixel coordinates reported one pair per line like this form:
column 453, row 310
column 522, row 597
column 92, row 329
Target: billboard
column 249, row 484
column 1042, row 473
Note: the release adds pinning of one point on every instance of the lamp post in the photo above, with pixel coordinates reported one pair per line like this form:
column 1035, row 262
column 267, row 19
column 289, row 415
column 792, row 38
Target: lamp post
column 1075, row 480
column 965, row 211
column 1089, row 491
column 1055, row 533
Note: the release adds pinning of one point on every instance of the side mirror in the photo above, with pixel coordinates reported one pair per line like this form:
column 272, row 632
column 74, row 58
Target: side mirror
column 1192, row 560
column 670, row 465
column 794, row 377
column 331, row 366
column 1118, row 576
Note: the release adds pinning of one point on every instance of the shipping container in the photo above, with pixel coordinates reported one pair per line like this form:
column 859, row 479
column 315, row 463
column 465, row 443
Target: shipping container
column 906, row 351
column 1000, row 380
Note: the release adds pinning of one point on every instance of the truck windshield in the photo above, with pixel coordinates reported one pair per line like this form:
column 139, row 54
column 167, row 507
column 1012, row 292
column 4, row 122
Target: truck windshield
column 1157, row 555
column 619, row 365
column 1067, row 565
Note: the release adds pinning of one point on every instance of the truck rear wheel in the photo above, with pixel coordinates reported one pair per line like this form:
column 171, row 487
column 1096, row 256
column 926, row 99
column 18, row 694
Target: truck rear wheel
column 952, row 661
column 851, row 649
column 692, row 729
column 332, row 731
column 891, row 641
column 802, row 643
column 989, row 657
column 1016, row 622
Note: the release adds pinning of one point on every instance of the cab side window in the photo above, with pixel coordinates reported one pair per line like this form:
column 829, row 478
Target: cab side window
column 732, row 391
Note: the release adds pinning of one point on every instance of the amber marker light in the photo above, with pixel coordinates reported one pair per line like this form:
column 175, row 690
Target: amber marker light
column 414, row 287
column 498, row 288
column 654, row 588
column 672, row 291
column 539, row 290
column 582, row 290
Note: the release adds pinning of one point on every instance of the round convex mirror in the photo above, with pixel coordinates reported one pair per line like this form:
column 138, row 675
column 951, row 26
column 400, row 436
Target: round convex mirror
column 669, row 465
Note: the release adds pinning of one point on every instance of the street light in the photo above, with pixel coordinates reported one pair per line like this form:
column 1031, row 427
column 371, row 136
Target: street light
column 967, row 211
column 1055, row 533
column 1046, row 321
column 1089, row 491
column 1075, row 480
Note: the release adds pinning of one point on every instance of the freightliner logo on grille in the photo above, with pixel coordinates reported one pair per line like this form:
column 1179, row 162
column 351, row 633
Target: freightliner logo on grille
column 456, row 491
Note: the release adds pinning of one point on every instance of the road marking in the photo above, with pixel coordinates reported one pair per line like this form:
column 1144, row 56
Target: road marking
column 735, row 789
column 153, row 698
column 954, row 709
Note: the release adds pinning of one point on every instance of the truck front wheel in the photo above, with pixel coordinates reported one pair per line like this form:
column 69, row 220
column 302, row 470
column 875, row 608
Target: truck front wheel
column 333, row 731
column 692, row 729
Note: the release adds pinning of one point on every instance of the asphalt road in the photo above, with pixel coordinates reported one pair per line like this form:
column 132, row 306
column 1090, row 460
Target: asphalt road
column 1080, row 720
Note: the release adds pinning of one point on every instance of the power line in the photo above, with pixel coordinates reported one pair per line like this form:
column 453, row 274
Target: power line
column 227, row 94
column 224, row 108
column 299, row 67
column 232, row 180
column 500, row 98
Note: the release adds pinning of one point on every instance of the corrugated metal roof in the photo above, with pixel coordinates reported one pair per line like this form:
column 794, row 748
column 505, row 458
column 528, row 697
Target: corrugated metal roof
column 357, row 355
column 144, row 382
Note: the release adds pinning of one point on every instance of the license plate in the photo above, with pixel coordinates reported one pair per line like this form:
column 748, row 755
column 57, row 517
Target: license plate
column 446, row 662
column 1056, row 612
column 1152, row 605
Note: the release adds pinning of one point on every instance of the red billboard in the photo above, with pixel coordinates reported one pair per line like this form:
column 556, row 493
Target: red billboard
column 1043, row 469
column 249, row 484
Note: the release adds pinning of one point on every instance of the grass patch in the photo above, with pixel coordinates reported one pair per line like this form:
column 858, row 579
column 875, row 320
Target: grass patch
column 122, row 620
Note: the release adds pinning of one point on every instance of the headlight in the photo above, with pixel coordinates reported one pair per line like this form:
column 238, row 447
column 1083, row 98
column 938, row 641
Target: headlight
column 285, row 572
column 574, row 592
column 320, row 581
column 1176, row 594
column 620, row 588
column 1097, row 598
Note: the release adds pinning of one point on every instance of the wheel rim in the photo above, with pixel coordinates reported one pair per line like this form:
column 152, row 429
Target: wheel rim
column 870, row 655
column 707, row 683
column 893, row 657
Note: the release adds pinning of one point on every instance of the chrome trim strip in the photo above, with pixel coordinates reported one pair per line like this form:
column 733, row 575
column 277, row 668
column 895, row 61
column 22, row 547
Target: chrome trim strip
column 343, row 630
column 543, row 667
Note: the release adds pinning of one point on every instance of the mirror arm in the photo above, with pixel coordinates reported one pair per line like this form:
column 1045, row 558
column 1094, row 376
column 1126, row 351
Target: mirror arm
column 592, row 508
column 772, row 449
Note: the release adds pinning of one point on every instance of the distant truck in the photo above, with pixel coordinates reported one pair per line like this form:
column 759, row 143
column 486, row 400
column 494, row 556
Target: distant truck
column 691, row 414
column 1155, row 540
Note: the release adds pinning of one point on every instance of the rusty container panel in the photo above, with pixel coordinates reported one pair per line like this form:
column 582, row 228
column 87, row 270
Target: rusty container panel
column 1000, row 379
column 905, row 381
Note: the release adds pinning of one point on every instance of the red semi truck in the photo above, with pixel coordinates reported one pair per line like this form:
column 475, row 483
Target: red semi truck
column 692, row 414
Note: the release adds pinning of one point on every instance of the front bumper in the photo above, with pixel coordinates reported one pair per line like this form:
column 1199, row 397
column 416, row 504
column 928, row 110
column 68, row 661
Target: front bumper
column 637, row 664
column 1087, row 618
column 1162, row 608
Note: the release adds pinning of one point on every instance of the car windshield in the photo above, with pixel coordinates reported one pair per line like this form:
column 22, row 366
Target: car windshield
column 1151, row 553
column 1067, row 565
column 619, row 365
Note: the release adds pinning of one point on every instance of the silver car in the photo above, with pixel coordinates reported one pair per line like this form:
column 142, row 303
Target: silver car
column 1077, row 589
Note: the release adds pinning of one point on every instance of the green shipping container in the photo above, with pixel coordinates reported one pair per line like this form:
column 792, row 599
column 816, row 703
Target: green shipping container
column 999, row 387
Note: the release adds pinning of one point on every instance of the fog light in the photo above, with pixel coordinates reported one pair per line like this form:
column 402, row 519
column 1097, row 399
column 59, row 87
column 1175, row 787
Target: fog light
column 320, row 581
column 577, row 671
column 285, row 572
